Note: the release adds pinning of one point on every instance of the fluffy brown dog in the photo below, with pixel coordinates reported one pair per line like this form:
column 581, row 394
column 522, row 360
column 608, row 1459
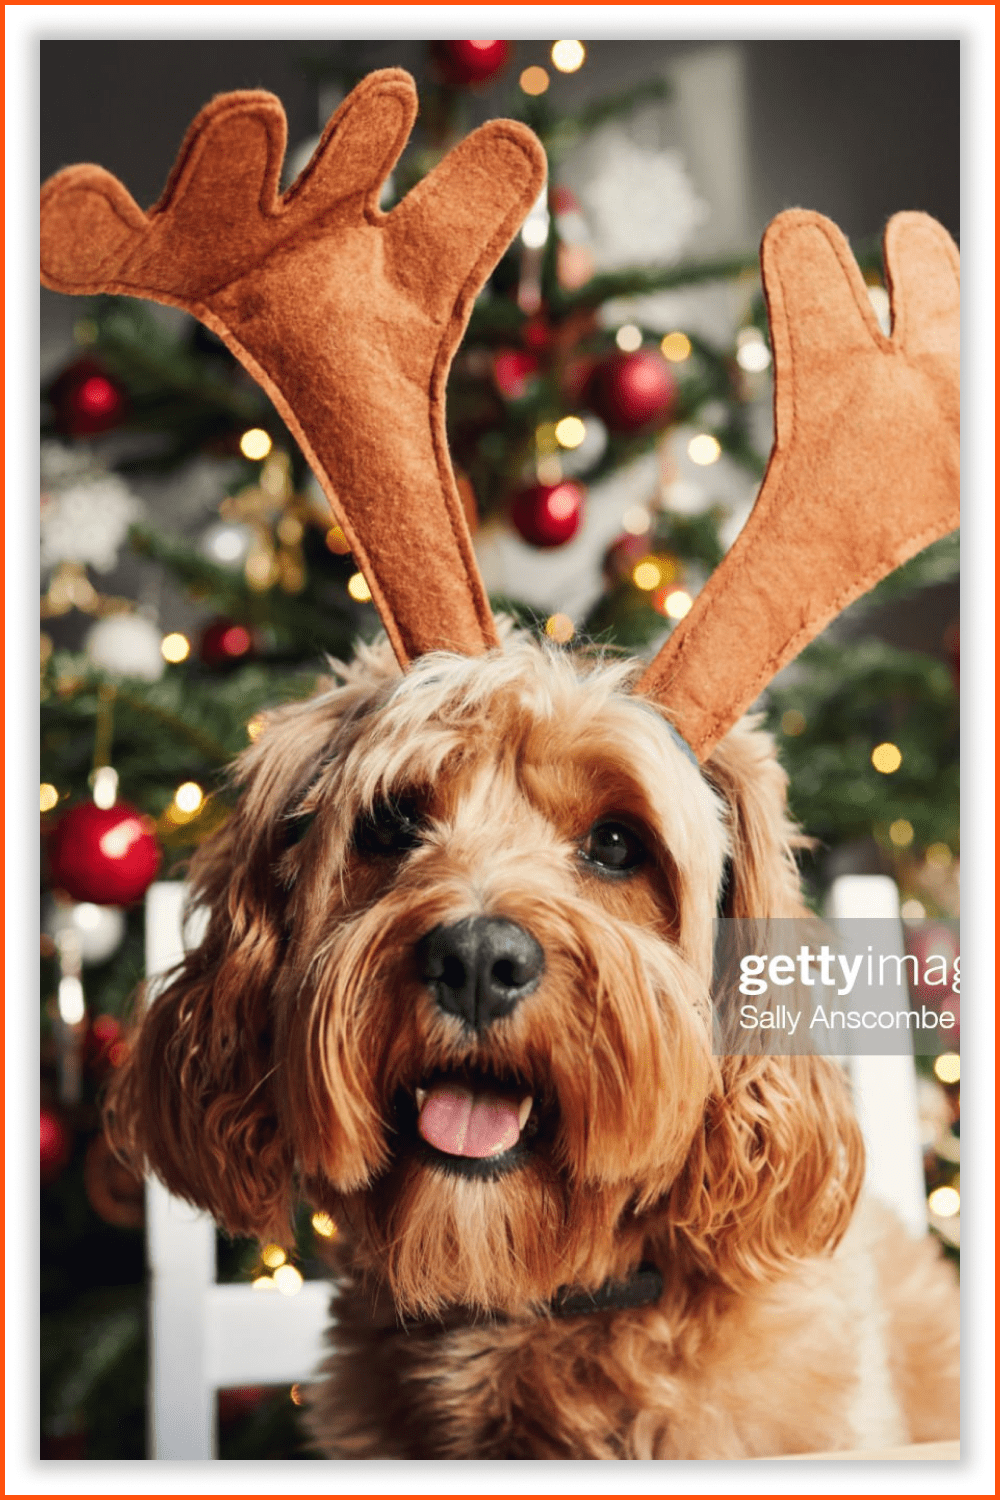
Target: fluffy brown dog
column 456, row 989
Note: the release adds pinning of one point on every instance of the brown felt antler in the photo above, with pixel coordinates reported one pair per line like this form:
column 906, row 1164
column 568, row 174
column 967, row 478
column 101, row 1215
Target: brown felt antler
column 347, row 317
column 864, row 471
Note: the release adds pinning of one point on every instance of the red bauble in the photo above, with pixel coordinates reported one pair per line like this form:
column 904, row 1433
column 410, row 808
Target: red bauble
column 224, row 642
column 514, row 371
column 466, row 63
column 108, row 855
column 55, row 1145
column 630, row 391
column 86, row 400
column 547, row 515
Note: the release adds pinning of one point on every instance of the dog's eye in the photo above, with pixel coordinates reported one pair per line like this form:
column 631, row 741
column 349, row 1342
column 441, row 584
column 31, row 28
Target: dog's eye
column 614, row 846
column 390, row 827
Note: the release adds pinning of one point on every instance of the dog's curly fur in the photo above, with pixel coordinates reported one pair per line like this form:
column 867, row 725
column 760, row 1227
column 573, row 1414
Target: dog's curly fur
column 284, row 1057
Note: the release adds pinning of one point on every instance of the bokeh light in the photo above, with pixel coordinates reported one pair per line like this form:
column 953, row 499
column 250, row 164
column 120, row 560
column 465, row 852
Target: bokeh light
column 48, row 796
column 570, row 432
column 676, row 347
column 629, row 338
column 534, row 81
column 560, row 628
column 273, row 1256
column 944, row 1202
column 887, row 757
column 948, row 1067
column 901, row 832
column 323, row 1225
column 358, row 589
column 704, row 449
column 175, row 647
column 255, row 443
column 568, row 57
column 188, row 798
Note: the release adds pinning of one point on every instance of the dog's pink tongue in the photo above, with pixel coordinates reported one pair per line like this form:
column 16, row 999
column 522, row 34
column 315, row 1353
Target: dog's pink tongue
column 462, row 1123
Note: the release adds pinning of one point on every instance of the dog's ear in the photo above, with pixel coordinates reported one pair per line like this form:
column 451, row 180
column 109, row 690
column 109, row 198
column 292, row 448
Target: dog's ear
column 762, row 878
column 776, row 1174
column 193, row 1101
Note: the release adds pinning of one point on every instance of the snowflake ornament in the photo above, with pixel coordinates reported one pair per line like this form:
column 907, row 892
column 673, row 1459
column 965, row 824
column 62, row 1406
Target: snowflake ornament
column 641, row 204
column 85, row 513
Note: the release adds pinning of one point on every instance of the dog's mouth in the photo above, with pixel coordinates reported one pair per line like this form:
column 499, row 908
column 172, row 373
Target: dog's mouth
column 473, row 1125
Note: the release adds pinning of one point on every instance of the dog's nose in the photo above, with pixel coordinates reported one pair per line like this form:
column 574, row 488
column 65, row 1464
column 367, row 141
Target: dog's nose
column 480, row 968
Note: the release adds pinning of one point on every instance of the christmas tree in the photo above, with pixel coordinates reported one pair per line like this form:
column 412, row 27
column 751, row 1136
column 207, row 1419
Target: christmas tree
column 587, row 437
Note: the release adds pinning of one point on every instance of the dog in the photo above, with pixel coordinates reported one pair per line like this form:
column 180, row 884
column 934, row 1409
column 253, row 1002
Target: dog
column 456, row 991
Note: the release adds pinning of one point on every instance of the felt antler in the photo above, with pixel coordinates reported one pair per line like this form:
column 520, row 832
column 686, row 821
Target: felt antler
column 347, row 317
column 864, row 471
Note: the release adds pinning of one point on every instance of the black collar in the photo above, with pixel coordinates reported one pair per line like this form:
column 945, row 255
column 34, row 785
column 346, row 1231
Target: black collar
column 641, row 1288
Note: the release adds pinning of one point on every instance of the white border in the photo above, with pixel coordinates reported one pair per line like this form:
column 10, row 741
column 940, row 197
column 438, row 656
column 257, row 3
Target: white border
column 974, row 24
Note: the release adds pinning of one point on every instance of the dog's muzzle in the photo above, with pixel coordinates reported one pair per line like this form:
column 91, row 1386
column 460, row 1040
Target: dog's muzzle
column 480, row 969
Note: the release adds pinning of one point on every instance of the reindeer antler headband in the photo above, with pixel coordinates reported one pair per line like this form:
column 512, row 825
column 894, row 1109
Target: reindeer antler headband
column 349, row 318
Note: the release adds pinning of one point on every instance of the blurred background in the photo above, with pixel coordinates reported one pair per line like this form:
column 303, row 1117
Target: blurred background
column 609, row 418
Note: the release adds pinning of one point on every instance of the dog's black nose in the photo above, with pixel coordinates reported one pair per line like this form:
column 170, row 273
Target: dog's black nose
column 480, row 968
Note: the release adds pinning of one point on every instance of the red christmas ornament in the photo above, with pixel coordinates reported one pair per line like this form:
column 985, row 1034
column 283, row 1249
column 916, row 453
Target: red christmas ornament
column 86, row 400
column 55, row 1145
column 107, row 855
column 547, row 515
column 630, row 391
column 224, row 642
column 464, row 64
column 514, row 371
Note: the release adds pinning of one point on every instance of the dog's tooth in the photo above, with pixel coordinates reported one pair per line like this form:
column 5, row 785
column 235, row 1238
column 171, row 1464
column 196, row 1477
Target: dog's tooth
column 420, row 1095
column 524, row 1111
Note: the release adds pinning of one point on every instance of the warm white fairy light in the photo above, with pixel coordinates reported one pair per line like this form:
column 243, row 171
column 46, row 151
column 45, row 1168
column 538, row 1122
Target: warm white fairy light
column 48, row 796
column 188, row 797
column 677, row 604
column 637, row 520
column 944, row 1202
column 534, row 81
column 570, row 432
column 255, row 443
column 629, row 338
column 273, row 1256
column 254, row 726
column 913, row 910
column 901, row 832
column 288, row 1280
column 676, row 347
column 175, row 647
column 323, row 1224
column 647, row 575
column 948, row 1067
column 358, row 588
column 568, row 57
column 752, row 353
column 887, row 758
column 704, row 449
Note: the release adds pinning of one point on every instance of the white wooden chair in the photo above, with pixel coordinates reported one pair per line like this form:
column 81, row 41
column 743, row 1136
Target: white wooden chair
column 205, row 1336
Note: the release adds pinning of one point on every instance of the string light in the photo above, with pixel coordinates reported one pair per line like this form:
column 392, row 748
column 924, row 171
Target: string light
column 48, row 796
column 560, row 628
column 676, row 347
column 948, row 1067
column 255, row 443
column 752, row 353
column 938, row 855
column 793, row 721
column 901, row 832
column 647, row 574
column 273, row 1256
column 358, row 588
column 568, row 57
column 188, row 798
column 324, row 1225
column 264, row 1284
column 944, row 1202
column 887, row 757
column 637, row 520
column 629, row 338
column 254, row 726
column 288, row 1280
column 175, row 647
column 534, row 81
column 704, row 449
column 570, row 432
column 677, row 604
